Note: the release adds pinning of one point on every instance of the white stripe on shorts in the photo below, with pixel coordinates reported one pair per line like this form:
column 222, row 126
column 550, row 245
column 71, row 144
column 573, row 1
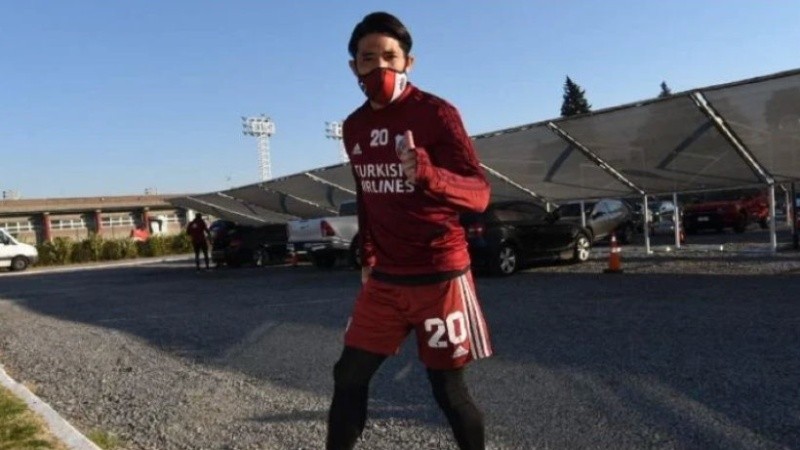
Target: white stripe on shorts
column 479, row 343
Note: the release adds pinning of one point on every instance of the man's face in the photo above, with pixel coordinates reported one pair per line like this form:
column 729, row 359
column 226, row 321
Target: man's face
column 378, row 50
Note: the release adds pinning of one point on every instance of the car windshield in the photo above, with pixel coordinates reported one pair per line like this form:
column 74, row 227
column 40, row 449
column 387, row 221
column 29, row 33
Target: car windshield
column 574, row 209
column 348, row 209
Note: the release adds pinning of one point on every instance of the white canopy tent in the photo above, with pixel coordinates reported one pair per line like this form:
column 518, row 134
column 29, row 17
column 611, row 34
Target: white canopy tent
column 719, row 137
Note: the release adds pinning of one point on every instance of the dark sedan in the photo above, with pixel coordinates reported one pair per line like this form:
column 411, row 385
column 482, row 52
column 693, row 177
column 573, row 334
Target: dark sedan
column 512, row 234
column 235, row 244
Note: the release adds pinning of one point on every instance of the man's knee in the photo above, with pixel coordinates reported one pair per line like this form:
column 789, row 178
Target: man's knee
column 449, row 388
column 355, row 368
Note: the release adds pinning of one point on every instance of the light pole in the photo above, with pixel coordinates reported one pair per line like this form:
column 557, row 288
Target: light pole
column 333, row 130
column 262, row 127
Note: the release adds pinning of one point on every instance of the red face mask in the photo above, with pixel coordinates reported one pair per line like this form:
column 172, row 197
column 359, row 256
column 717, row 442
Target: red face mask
column 383, row 85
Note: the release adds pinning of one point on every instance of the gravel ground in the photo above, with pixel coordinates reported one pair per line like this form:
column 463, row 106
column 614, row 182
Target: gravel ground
column 688, row 350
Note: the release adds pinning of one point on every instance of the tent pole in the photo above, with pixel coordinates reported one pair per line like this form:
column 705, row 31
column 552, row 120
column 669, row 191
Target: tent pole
column 646, row 226
column 773, row 239
column 676, row 220
column 583, row 214
column 795, row 238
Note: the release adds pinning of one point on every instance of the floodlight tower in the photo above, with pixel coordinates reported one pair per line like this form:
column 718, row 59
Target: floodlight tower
column 333, row 130
column 262, row 127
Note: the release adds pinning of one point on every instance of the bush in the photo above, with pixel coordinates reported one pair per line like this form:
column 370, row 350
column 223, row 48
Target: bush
column 56, row 252
column 89, row 249
column 119, row 249
column 155, row 246
column 181, row 243
column 63, row 251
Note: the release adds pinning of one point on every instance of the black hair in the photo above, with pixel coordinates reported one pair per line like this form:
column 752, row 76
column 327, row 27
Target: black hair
column 382, row 23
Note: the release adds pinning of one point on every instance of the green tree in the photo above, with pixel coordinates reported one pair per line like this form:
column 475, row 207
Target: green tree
column 574, row 100
column 665, row 90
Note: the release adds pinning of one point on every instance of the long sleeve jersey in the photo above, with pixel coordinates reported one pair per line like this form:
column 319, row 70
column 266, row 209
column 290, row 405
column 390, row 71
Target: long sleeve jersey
column 405, row 228
column 197, row 230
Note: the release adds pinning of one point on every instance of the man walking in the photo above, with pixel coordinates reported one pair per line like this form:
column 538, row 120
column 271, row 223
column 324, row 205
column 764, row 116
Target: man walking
column 198, row 232
column 415, row 171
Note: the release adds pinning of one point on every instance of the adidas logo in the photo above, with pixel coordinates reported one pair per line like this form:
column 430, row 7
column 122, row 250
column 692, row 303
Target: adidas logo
column 357, row 150
column 460, row 351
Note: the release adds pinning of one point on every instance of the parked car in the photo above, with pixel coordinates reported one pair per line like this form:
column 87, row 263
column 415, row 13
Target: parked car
column 603, row 217
column 14, row 254
column 512, row 234
column 660, row 215
column 236, row 245
column 325, row 239
column 731, row 209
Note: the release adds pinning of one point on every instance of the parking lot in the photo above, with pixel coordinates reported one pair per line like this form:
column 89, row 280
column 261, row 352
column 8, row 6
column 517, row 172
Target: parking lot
column 693, row 350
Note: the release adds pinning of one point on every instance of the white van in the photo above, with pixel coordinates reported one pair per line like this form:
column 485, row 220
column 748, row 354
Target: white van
column 14, row 254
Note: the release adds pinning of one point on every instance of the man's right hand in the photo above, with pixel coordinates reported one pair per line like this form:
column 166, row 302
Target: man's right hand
column 365, row 273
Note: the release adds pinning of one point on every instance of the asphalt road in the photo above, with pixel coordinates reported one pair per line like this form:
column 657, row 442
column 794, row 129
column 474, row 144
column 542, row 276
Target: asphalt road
column 691, row 352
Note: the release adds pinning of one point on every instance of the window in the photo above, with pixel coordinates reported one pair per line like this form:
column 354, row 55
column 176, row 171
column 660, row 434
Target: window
column 67, row 224
column 118, row 221
column 520, row 211
column 530, row 212
column 508, row 214
column 17, row 227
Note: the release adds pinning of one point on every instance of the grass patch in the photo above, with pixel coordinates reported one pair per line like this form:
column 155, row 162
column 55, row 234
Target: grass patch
column 104, row 439
column 21, row 429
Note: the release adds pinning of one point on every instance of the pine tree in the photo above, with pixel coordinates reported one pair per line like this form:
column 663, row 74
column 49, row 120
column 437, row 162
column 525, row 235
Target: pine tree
column 574, row 100
column 665, row 90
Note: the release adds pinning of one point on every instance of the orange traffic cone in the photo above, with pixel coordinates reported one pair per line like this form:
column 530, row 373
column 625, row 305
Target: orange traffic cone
column 614, row 258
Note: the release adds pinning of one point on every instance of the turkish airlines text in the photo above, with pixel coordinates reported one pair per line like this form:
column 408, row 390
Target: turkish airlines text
column 383, row 179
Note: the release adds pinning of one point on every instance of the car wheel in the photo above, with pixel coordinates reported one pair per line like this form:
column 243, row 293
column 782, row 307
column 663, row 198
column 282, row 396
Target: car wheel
column 506, row 260
column 19, row 263
column 355, row 253
column 582, row 249
column 764, row 223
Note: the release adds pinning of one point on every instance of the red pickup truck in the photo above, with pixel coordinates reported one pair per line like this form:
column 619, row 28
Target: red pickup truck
column 726, row 210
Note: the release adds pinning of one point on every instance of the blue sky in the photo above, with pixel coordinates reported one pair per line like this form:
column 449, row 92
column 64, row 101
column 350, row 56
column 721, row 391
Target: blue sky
column 109, row 98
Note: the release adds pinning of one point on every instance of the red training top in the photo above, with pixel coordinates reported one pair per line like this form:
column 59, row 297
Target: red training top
column 413, row 229
column 198, row 230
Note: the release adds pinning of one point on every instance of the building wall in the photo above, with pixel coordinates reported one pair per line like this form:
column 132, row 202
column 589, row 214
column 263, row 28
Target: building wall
column 76, row 218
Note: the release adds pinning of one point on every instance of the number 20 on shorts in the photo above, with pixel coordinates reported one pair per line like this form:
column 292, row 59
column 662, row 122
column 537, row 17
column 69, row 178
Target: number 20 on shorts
column 454, row 327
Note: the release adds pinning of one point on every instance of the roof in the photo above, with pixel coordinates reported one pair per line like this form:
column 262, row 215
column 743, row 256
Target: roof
column 718, row 137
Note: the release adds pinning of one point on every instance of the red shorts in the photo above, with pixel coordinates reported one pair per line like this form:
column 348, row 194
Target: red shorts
column 446, row 316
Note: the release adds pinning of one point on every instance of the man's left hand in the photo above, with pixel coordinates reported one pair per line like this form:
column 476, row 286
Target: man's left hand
column 408, row 157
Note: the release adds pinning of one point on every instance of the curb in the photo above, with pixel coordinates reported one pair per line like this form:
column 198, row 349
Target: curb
column 98, row 266
column 58, row 426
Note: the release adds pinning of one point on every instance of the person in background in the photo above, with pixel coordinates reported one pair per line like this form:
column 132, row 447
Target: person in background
column 198, row 232
column 415, row 171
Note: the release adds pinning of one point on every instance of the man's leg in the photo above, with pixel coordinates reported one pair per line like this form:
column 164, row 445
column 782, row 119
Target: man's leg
column 453, row 397
column 205, row 254
column 348, row 413
column 196, row 255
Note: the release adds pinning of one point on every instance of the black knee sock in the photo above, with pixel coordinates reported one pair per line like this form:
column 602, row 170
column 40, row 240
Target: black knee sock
column 348, row 413
column 464, row 417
